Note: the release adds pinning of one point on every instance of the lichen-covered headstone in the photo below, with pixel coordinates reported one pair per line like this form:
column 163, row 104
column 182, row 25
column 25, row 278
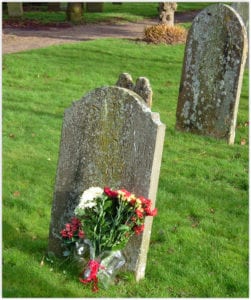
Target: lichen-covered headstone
column 242, row 8
column 214, row 61
column 109, row 138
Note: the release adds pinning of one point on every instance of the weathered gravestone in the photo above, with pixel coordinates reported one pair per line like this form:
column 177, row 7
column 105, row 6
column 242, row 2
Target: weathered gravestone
column 211, row 81
column 109, row 138
column 242, row 9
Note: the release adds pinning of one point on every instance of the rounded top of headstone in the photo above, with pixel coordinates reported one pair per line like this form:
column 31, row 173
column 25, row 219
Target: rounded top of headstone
column 116, row 93
column 222, row 14
column 112, row 96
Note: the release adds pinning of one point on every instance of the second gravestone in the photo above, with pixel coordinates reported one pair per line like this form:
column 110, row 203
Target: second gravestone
column 214, row 61
column 109, row 138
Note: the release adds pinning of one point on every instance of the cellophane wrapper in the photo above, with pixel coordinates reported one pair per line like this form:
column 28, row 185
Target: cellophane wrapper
column 111, row 262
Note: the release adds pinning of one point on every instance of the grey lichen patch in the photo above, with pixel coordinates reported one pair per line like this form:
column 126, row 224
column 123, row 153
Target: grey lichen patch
column 212, row 73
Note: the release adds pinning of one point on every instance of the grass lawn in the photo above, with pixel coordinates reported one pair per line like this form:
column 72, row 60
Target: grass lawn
column 131, row 12
column 199, row 242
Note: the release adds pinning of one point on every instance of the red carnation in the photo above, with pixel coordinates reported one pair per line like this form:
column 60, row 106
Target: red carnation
column 74, row 228
column 70, row 235
column 68, row 227
column 139, row 213
column 154, row 212
column 81, row 234
column 147, row 202
column 110, row 193
column 75, row 221
column 64, row 233
column 138, row 229
column 151, row 213
column 133, row 201
column 127, row 194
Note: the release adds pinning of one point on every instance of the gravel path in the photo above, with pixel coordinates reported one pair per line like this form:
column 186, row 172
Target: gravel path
column 16, row 39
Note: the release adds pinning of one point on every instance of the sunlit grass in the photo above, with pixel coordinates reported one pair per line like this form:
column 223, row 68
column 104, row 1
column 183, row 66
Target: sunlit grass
column 199, row 242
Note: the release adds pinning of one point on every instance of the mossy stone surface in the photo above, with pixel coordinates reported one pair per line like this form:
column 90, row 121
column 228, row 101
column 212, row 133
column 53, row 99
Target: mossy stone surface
column 214, row 61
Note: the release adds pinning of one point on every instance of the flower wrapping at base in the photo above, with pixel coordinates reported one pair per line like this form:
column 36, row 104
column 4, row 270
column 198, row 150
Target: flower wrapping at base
column 104, row 220
column 103, row 269
column 93, row 267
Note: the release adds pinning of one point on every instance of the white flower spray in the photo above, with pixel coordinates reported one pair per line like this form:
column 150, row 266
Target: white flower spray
column 88, row 198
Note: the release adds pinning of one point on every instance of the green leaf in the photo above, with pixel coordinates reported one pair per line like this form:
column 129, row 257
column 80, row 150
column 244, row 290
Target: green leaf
column 124, row 228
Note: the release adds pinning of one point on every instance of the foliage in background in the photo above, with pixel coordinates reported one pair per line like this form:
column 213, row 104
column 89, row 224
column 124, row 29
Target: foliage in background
column 111, row 13
column 166, row 34
column 199, row 242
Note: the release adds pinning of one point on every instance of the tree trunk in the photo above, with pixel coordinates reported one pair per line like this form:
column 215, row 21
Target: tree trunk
column 15, row 9
column 74, row 12
column 166, row 12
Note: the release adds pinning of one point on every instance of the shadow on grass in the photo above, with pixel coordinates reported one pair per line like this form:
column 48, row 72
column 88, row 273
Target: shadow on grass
column 23, row 241
column 24, row 260
column 42, row 285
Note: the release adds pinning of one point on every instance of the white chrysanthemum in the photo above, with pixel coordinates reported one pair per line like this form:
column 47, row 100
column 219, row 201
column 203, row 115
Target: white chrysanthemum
column 88, row 198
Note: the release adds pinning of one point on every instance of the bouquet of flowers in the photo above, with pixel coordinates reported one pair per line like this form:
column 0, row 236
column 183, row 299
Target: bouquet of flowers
column 104, row 221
